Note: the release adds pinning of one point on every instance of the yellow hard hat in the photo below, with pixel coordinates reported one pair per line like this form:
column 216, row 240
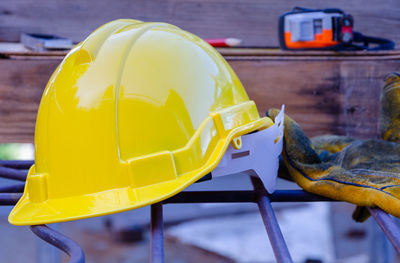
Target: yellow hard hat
column 132, row 115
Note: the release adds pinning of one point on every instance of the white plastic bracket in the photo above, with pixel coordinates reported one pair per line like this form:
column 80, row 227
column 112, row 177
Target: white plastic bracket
column 258, row 156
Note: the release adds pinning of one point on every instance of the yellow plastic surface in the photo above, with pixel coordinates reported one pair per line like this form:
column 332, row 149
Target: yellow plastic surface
column 133, row 115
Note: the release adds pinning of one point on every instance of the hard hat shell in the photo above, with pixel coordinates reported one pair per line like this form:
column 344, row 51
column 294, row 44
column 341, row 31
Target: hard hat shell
column 132, row 115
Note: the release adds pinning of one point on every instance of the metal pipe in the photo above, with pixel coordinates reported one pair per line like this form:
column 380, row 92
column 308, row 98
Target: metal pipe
column 14, row 188
column 388, row 226
column 70, row 247
column 275, row 236
column 13, row 174
column 213, row 197
column 296, row 196
column 157, row 234
column 17, row 164
column 9, row 198
column 243, row 197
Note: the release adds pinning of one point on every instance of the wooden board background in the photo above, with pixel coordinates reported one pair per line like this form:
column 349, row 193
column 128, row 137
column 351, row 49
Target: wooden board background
column 254, row 21
column 325, row 92
column 339, row 96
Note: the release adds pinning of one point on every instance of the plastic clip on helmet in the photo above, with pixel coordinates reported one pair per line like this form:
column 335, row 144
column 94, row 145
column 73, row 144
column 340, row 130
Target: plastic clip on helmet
column 133, row 115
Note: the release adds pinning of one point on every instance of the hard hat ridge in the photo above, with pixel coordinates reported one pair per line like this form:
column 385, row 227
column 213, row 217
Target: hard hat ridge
column 134, row 114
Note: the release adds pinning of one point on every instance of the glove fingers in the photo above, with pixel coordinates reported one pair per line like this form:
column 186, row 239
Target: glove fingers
column 327, row 146
column 340, row 184
column 347, row 178
column 330, row 143
column 361, row 214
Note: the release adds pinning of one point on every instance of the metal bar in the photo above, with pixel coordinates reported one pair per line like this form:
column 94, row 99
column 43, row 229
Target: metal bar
column 17, row 164
column 388, row 226
column 243, row 197
column 213, row 197
column 60, row 241
column 14, row 188
column 46, row 253
column 297, row 196
column 9, row 198
column 276, row 239
column 13, row 174
column 157, row 234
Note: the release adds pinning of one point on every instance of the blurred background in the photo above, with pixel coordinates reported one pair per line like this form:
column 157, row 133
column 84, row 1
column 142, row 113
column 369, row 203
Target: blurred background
column 326, row 92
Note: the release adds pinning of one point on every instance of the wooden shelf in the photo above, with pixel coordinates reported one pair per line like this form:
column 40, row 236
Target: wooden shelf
column 14, row 50
column 326, row 92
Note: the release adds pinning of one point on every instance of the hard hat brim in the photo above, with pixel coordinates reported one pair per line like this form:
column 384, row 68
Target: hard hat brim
column 28, row 212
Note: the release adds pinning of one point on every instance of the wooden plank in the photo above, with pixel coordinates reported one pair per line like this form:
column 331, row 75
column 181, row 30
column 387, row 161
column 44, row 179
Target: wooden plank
column 254, row 21
column 277, row 52
column 337, row 97
column 361, row 86
column 21, row 86
column 310, row 89
column 324, row 96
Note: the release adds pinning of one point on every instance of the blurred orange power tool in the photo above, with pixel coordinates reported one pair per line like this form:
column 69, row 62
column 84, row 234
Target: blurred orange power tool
column 328, row 29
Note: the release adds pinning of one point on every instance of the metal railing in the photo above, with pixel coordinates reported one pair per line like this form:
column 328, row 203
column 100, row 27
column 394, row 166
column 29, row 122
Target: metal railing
column 17, row 170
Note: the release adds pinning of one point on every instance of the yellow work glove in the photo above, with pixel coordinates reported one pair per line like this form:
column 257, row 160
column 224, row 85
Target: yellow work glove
column 363, row 172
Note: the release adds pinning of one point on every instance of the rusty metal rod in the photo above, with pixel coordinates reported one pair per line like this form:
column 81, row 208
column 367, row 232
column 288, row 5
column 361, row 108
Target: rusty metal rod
column 17, row 164
column 13, row 188
column 9, row 198
column 157, row 234
column 243, row 196
column 276, row 239
column 13, row 174
column 388, row 226
column 69, row 246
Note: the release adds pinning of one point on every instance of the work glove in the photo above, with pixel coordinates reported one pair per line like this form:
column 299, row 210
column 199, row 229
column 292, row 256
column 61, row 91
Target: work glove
column 362, row 172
